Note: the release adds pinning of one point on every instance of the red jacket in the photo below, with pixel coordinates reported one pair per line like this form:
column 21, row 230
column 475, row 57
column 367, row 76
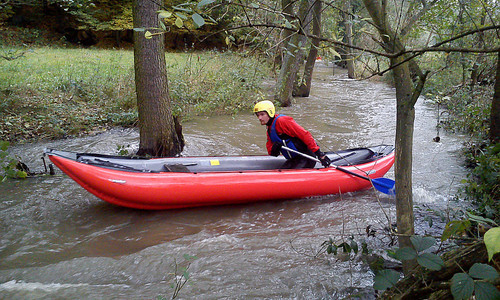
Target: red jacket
column 287, row 125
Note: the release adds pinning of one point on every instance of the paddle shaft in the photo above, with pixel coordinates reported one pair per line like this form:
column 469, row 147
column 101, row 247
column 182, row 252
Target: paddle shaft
column 317, row 160
column 383, row 185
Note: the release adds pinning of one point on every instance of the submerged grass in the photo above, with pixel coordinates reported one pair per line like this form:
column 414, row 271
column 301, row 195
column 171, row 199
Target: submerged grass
column 51, row 93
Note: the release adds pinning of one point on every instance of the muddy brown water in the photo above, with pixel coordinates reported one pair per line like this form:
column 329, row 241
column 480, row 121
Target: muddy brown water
column 57, row 241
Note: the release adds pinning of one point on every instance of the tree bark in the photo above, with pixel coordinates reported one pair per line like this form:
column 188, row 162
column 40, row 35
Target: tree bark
column 348, row 38
column 289, row 67
column 406, row 98
column 306, row 20
column 405, row 117
column 157, row 125
column 287, row 9
column 305, row 88
column 495, row 108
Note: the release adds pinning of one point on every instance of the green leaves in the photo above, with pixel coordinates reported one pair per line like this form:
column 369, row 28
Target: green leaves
column 454, row 228
column 463, row 285
column 181, row 15
column 385, row 279
column 422, row 243
column 4, row 145
column 10, row 165
column 351, row 246
column 492, row 241
column 427, row 260
column 405, row 253
column 483, row 271
column 198, row 20
column 430, row 261
column 204, row 3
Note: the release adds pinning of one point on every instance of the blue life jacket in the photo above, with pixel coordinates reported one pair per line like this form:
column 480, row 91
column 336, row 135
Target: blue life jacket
column 273, row 135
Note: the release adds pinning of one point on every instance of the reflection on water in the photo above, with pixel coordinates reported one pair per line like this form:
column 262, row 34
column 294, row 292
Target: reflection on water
column 59, row 241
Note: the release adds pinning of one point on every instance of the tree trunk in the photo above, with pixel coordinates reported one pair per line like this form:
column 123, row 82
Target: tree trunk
column 405, row 117
column 495, row 108
column 474, row 74
column 348, row 38
column 305, row 88
column 306, row 19
column 157, row 125
column 289, row 67
column 406, row 98
column 287, row 9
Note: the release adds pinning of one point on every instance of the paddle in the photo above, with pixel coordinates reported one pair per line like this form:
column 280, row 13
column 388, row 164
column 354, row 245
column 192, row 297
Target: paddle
column 384, row 185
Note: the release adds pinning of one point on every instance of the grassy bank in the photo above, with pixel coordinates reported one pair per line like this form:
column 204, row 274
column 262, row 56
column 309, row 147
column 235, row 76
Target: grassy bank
column 51, row 93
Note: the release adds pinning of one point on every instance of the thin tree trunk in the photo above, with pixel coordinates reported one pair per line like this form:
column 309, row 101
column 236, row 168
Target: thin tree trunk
column 306, row 19
column 305, row 88
column 157, row 125
column 406, row 98
column 495, row 108
column 289, row 67
column 287, row 9
column 348, row 38
column 405, row 117
column 474, row 75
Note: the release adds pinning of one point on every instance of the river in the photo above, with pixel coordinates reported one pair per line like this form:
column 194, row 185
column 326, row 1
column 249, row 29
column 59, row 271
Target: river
column 60, row 242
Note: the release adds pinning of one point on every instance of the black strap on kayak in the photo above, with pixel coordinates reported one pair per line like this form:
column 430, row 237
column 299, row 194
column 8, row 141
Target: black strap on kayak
column 107, row 163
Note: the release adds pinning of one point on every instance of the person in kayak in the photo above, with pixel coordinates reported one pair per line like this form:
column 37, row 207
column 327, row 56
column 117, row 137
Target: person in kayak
column 284, row 131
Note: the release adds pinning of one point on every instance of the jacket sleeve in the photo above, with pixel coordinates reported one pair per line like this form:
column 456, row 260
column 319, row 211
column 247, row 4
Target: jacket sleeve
column 288, row 126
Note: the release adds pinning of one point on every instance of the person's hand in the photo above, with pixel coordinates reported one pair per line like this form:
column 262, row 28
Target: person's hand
column 276, row 150
column 325, row 161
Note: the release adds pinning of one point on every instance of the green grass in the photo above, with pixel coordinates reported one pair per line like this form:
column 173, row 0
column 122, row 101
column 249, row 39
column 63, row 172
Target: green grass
column 54, row 92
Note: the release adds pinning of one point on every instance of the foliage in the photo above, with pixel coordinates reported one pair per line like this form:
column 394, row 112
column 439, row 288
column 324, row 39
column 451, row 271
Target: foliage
column 463, row 285
column 349, row 246
column 9, row 165
column 492, row 242
column 387, row 278
column 467, row 110
column 188, row 14
column 122, row 150
column 180, row 277
column 464, row 226
column 478, row 281
column 482, row 186
column 427, row 260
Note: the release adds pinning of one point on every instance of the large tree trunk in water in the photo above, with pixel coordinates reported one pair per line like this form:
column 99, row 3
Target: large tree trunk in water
column 157, row 125
column 289, row 67
column 305, row 88
column 495, row 108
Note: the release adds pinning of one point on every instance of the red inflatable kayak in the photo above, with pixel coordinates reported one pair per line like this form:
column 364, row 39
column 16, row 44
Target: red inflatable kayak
column 169, row 183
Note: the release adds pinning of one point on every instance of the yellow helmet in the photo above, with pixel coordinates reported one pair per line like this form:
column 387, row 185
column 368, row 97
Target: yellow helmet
column 266, row 106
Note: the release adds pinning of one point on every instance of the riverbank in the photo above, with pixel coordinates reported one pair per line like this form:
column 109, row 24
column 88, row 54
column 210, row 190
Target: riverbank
column 51, row 93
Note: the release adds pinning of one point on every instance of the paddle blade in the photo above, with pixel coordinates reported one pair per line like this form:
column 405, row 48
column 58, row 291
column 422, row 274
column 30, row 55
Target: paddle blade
column 385, row 185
